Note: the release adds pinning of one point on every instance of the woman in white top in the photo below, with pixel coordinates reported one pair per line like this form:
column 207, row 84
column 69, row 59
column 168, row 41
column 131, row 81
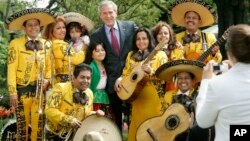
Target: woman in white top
column 224, row 100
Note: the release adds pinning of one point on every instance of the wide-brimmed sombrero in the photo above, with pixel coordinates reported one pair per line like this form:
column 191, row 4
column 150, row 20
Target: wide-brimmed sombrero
column 93, row 136
column 177, row 10
column 100, row 125
column 76, row 17
column 45, row 16
column 168, row 70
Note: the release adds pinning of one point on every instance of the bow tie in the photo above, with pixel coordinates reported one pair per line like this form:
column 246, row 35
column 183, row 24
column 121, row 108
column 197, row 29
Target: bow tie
column 184, row 100
column 191, row 38
column 141, row 55
column 80, row 97
column 33, row 45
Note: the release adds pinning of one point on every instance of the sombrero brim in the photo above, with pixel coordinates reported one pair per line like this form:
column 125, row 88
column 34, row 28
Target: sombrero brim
column 103, row 125
column 76, row 17
column 178, row 9
column 169, row 69
column 45, row 16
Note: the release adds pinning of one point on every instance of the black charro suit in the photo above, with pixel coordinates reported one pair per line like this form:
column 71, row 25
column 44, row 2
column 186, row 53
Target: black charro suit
column 114, row 63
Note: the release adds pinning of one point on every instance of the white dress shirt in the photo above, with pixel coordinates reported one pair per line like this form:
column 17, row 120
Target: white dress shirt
column 185, row 93
column 108, row 33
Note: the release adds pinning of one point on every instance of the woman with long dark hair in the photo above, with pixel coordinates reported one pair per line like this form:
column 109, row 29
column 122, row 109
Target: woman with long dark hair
column 147, row 104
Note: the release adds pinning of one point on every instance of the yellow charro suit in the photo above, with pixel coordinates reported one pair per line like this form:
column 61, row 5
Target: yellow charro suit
column 195, row 49
column 62, row 59
column 60, row 106
column 148, row 103
column 23, row 70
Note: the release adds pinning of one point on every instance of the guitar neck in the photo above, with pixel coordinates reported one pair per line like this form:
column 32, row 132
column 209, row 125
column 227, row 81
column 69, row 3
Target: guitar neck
column 150, row 56
column 204, row 56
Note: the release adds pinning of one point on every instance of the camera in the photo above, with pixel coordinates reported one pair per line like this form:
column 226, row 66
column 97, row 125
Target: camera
column 220, row 67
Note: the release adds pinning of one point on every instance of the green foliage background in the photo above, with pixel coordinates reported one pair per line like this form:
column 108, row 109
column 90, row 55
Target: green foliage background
column 143, row 12
column 4, row 36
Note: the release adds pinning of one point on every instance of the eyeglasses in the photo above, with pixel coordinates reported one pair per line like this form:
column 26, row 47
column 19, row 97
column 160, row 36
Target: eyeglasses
column 33, row 45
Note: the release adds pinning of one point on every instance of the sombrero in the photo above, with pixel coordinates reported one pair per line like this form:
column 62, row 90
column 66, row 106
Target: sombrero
column 177, row 10
column 92, row 136
column 76, row 17
column 101, row 125
column 169, row 69
column 45, row 16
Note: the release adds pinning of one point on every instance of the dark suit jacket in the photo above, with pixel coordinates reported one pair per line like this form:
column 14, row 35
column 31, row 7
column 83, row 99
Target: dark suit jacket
column 113, row 63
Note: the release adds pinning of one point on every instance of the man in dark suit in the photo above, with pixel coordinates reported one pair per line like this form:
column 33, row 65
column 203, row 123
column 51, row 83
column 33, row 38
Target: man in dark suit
column 115, row 54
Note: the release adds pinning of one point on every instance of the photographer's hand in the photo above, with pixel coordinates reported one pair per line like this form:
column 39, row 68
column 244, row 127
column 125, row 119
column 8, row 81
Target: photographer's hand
column 208, row 70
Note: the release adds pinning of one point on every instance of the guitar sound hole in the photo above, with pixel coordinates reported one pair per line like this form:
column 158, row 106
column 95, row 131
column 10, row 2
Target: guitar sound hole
column 172, row 122
column 134, row 77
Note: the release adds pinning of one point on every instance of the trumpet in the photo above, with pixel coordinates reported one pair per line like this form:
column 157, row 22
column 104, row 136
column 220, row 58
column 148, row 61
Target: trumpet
column 39, row 89
column 65, row 133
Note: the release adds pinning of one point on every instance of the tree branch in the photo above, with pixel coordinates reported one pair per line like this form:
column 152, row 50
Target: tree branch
column 158, row 6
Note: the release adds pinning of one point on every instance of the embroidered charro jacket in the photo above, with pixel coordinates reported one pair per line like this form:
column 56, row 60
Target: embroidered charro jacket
column 24, row 65
column 60, row 48
column 61, row 109
column 194, row 49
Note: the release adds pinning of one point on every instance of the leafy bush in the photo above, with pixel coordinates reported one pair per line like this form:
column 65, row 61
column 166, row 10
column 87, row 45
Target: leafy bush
column 4, row 38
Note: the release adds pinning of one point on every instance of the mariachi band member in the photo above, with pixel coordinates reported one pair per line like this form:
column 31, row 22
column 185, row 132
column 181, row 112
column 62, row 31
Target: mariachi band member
column 193, row 15
column 186, row 73
column 142, row 108
column 68, row 104
column 173, row 49
column 28, row 70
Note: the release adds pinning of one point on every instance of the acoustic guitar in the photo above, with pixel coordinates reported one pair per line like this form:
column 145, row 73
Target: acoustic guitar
column 203, row 57
column 129, row 83
column 166, row 127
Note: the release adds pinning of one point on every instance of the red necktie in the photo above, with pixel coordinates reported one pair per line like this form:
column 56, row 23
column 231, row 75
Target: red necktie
column 114, row 41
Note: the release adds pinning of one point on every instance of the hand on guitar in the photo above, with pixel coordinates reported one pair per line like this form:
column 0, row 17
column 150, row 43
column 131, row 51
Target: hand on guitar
column 215, row 50
column 146, row 68
column 118, row 84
